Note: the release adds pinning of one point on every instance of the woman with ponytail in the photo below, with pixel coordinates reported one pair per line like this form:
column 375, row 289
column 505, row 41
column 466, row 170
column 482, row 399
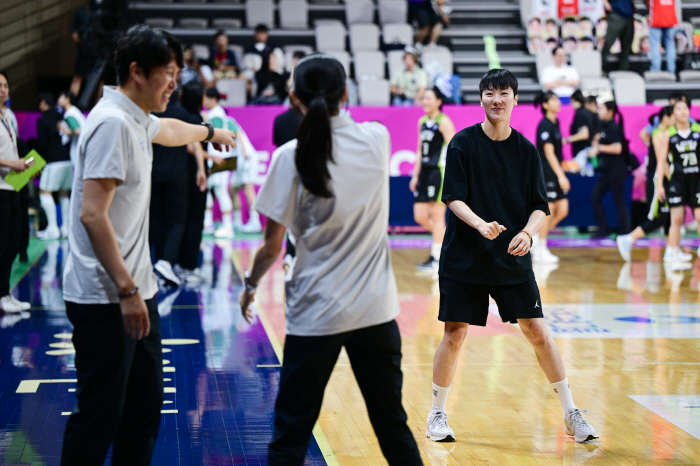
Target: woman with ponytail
column 611, row 150
column 330, row 188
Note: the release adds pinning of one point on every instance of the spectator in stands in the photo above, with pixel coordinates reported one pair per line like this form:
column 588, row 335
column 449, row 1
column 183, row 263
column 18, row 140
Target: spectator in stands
column 271, row 88
column 611, row 151
column 441, row 8
column 190, row 71
column 223, row 61
column 662, row 21
column 289, row 76
column 620, row 25
column 261, row 36
column 57, row 175
column 10, row 208
column 82, row 33
column 586, row 43
column 560, row 78
column 570, row 44
column 422, row 13
column 408, row 86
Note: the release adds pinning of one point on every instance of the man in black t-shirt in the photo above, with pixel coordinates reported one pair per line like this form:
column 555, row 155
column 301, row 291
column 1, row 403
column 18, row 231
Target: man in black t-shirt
column 494, row 188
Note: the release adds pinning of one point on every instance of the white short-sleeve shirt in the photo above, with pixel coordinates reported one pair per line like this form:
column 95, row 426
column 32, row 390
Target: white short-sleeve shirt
column 342, row 279
column 114, row 143
column 553, row 73
column 8, row 145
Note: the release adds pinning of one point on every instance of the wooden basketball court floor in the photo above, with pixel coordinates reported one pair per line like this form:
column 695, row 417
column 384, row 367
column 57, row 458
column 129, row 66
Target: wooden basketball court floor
column 629, row 335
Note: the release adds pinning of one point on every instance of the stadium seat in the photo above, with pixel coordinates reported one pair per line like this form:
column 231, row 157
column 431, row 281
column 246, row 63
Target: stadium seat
column 659, row 76
column 201, row 51
column 587, row 62
column 330, row 36
column 343, row 57
column 613, row 75
column 543, row 59
column 397, row 33
column 289, row 52
column 437, row 53
column 234, row 92
column 689, row 76
column 359, row 12
column 260, row 12
column 394, row 59
column 595, row 85
column 294, row 14
column 375, row 93
column 630, row 90
column 227, row 23
column 193, row 23
column 369, row 64
column 238, row 51
column 165, row 23
column 392, row 11
column 364, row 37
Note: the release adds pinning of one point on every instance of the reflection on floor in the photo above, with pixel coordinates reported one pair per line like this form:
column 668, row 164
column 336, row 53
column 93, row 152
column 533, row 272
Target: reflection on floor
column 629, row 335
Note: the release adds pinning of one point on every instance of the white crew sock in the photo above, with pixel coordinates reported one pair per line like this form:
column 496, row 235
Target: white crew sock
column 49, row 206
column 564, row 393
column 65, row 207
column 435, row 251
column 237, row 218
column 226, row 219
column 440, row 397
column 208, row 219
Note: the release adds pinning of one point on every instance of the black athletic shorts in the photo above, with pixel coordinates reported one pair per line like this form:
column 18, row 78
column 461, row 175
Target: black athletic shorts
column 429, row 187
column 683, row 189
column 554, row 192
column 423, row 14
column 469, row 302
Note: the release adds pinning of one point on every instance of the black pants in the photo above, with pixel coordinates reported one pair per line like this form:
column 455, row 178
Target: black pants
column 192, row 239
column 375, row 355
column 612, row 178
column 168, row 218
column 120, row 388
column 24, row 223
column 10, row 230
column 622, row 28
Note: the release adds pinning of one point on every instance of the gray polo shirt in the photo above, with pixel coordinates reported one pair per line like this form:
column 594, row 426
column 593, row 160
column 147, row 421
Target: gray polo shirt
column 114, row 143
column 8, row 146
column 342, row 279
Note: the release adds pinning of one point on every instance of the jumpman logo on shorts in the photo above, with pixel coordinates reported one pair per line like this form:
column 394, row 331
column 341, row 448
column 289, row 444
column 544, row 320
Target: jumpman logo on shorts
column 536, row 305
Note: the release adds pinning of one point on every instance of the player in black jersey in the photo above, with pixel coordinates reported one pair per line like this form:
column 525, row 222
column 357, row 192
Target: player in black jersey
column 435, row 130
column 549, row 142
column 495, row 191
column 679, row 169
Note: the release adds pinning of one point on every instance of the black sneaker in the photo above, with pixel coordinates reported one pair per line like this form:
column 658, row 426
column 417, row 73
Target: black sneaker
column 427, row 266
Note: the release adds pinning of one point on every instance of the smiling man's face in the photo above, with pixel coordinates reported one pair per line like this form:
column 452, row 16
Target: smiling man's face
column 160, row 85
column 498, row 103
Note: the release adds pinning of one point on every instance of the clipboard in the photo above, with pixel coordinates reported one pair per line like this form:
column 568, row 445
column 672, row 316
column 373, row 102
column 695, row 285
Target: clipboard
column 20, row 180
column 230, row 163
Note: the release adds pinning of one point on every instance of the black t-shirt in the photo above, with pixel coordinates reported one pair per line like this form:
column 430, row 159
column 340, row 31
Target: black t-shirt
column 582, row 118
column 500, row 181
column 286, row 126
column 82, row 23
column 610, row 134
column 170, row 163
column 48, row 140
column 597, row 124
column 548, row 132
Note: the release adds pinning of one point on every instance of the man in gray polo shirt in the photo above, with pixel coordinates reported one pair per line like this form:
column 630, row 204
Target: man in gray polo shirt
column 108, row 284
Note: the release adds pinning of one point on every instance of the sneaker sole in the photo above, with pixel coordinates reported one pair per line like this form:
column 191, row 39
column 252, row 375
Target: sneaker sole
column 587, row 439
column 448, row 438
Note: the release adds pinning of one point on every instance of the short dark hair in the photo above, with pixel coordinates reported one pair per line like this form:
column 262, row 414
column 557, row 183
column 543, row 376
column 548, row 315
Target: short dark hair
column 4, row 73
column 261, row 28
column 686, row 102
column 678, row 95
column 45, row 97
column 554, row 50
column 577, row 96
column 591, row 99
column 299, row 54
column 220, row 32
column 191, row 97
column 69, row 95
column 148, row 47
column 212, row 93
column 498, row 78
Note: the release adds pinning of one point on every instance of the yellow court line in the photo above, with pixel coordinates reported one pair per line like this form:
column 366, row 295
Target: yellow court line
column 321, row 440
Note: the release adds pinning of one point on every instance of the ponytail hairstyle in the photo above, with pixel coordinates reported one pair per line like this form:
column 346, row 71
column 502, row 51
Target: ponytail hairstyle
column 542, row 99
column 666, row 111
column 612, row 106
column 319, row 83
column 578, row 97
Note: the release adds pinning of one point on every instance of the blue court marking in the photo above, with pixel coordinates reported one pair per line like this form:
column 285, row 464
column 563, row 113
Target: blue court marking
column 221, row 388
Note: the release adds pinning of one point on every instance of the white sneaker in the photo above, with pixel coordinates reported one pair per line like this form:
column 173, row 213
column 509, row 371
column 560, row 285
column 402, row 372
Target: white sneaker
column 225, row 233
column 542, row 255
column 251, row 227
column 678, row 255
column 624, row 245
column 8, row 305
column 684, row 256
column 24, row 306
column 678, row 265
column 165, row 270
column 49, row 234
column 64, row 231
column 577, row 426
column 438, row 430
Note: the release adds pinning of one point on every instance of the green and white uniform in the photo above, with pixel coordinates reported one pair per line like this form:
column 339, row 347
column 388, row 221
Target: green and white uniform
column 683, row 184
column 433, row 151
